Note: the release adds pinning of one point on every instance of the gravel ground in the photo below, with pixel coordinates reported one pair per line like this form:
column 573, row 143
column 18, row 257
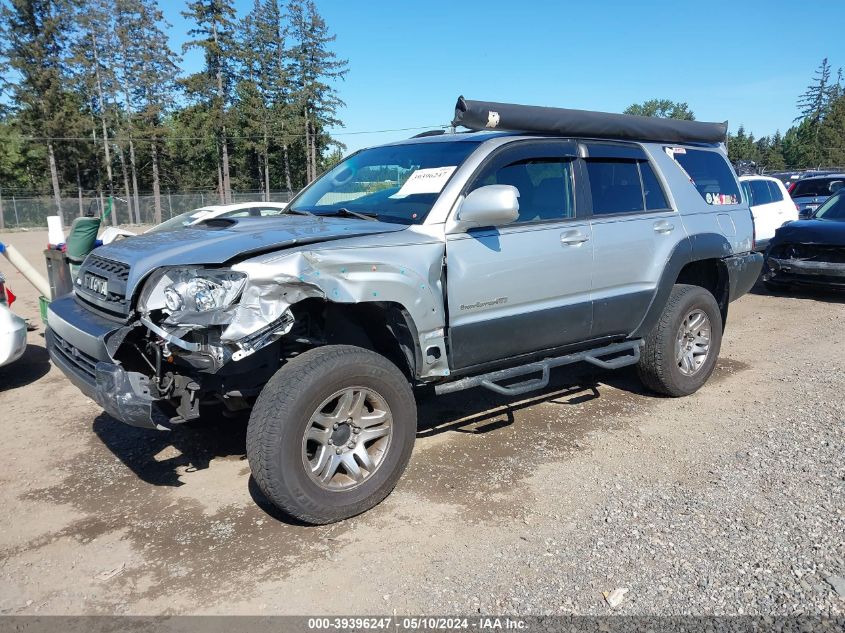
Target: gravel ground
column 728, row 502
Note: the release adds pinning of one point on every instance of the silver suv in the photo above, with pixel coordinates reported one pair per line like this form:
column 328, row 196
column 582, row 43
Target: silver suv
column 479, row 259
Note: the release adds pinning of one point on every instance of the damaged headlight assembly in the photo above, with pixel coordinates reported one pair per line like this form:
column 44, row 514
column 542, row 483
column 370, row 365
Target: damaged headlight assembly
column 195, row 298
column 191, row 290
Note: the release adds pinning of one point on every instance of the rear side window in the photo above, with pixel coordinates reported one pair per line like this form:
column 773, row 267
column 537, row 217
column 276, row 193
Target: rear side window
column 709, row 172
column 760, row 192
column 777, row 194
column 654, row 197
column 624, row 186
column 615, row 186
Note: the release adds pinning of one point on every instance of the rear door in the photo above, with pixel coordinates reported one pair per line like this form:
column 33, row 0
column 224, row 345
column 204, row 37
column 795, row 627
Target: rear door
column 523, row 287
column 634, row 230
column 787, row 211
column 763, row 208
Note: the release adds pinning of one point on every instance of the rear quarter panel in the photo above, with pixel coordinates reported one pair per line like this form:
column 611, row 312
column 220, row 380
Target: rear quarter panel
column 731, row 221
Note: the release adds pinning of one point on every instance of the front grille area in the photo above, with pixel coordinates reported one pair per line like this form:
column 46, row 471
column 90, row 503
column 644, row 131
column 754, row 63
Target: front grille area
column 107, row 268
column 84, row 364
column 114, row 304
column 811, row 252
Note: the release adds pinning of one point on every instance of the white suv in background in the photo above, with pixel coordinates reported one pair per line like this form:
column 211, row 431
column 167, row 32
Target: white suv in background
column 770, row 205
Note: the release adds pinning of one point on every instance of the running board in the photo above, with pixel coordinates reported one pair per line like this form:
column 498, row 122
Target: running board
column 629, row 349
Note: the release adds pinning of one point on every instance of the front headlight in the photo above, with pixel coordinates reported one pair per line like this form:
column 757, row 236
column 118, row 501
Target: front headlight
column 178, row 290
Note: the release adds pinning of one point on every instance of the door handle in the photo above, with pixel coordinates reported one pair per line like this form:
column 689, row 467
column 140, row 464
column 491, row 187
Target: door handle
column 662, row 226
column 573, row 238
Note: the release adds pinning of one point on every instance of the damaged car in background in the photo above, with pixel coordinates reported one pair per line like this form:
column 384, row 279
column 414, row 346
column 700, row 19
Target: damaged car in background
column 809, row 252
column 539, row 238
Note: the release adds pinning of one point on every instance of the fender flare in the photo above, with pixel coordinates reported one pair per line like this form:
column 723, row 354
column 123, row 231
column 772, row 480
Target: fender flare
column 695, row 248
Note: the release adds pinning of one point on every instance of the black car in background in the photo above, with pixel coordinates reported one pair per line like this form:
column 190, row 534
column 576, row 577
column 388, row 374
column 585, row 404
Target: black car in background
column 810, row 192
column 809, row 252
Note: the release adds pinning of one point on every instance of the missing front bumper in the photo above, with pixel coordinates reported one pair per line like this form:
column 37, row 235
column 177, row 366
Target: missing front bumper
column 127, row 396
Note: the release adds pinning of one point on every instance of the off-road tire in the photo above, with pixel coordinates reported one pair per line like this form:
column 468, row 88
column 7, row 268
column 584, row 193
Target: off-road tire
column 658, row 368
column 282, row 413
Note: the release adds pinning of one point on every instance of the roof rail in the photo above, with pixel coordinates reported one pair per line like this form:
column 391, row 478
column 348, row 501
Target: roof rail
column 429, row 133
column 488, row 115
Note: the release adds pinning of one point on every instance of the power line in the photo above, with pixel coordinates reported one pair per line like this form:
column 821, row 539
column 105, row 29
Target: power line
column 115, row 139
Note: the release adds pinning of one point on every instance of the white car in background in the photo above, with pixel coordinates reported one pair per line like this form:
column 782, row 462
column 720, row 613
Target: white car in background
column 239, row 210
column 771, row 206
column 12, row 330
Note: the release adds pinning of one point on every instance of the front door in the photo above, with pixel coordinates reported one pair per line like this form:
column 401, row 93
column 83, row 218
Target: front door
column 523, row 287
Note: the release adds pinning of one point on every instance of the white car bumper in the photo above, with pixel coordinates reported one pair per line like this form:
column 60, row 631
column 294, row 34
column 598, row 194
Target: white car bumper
column 12, row 336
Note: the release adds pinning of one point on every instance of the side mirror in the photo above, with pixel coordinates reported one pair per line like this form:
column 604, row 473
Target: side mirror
column 835, row 186
column 491, row 205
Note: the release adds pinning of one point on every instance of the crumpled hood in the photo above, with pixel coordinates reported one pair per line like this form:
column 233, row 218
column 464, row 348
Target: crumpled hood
column 220, row 241
column 831, row 232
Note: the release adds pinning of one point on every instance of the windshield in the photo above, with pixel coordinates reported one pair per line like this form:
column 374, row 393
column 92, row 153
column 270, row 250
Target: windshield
column 396, row 183
column 814, row 187
column 833, row 209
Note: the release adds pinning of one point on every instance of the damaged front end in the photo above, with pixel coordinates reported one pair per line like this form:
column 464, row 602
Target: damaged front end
column 188, row 346
column 806, row 264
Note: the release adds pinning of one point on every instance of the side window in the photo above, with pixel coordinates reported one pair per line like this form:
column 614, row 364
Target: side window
column 615, row 186
column 544, row 184
column 775, row 191
column 746, row 191
column 760, row 193
column 654, row 197
column 710, row 173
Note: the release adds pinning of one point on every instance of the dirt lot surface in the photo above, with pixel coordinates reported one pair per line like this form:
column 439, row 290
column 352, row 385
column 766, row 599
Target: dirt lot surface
column 730, row 501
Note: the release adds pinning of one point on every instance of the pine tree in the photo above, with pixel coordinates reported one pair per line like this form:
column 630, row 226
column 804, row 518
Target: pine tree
column 148, row 76
column 313, row 66
column 94, row 62
column 214, row 33
column 35, row 47
column 813, row 102
column 832, row 133
column 773, row 158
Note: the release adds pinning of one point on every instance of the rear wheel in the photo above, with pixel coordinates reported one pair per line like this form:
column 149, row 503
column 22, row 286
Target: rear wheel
column 681, row 351
column 331, row 433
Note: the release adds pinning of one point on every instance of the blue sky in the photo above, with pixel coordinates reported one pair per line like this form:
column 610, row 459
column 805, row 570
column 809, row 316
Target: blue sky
column 745, row 61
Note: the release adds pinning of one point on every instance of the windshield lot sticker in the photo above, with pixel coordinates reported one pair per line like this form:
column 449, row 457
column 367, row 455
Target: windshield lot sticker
column 431, row 180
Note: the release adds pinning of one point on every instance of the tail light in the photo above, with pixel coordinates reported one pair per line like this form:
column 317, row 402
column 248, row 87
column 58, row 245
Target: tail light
column 6, row 296
column 791, row 186
column 753, row 232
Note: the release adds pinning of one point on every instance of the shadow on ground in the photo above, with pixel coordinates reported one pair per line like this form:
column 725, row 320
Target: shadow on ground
column 34, row 364
column 156, row 457
column 800, row 292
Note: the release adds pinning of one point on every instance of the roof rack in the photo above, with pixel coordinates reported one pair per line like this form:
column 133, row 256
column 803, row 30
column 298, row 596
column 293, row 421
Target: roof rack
column 489, row 115
column 429, row 133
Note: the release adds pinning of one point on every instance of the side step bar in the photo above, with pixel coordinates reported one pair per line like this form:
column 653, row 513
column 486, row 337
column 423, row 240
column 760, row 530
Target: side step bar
column 630, row 351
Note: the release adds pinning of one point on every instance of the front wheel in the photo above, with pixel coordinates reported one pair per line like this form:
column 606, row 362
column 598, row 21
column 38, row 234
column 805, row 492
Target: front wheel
column 331, row 433
column 681, row 351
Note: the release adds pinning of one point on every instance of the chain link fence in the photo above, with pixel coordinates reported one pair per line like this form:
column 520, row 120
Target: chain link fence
column 32, row 212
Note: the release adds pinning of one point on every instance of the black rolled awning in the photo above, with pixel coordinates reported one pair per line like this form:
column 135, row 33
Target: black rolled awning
column 490, row 115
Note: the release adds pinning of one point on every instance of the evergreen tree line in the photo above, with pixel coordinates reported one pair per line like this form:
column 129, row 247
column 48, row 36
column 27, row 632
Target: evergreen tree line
column 94, row 99
column 816, row 139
